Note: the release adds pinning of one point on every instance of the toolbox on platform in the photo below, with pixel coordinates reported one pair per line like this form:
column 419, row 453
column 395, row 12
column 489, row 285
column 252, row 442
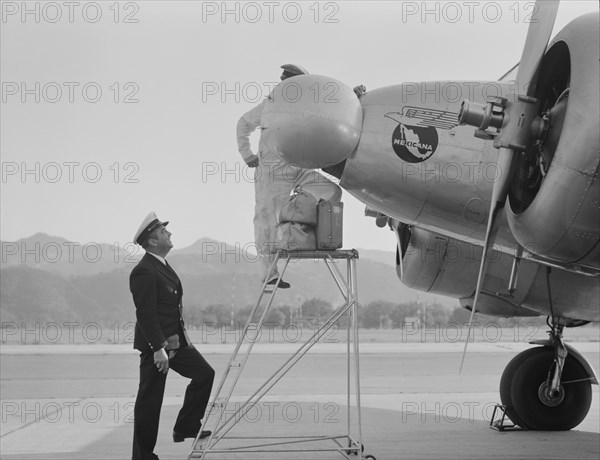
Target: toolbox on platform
column 329, row 229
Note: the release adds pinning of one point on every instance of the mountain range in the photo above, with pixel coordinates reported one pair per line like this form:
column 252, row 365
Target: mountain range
column 47, row 278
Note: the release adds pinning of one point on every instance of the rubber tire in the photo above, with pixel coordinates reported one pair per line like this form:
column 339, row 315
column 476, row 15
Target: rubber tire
column 506, row 384
column 519, row 392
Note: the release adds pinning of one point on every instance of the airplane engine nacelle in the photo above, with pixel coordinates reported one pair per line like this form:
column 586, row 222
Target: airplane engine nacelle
column 433, row 263
column 313, row 121
column 439, row 265
column 554, row 207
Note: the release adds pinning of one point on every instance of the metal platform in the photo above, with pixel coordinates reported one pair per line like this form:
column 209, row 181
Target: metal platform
column 349, row 445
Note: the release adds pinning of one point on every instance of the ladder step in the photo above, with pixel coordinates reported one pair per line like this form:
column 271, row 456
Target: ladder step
column 235, row 364
column 218, row 404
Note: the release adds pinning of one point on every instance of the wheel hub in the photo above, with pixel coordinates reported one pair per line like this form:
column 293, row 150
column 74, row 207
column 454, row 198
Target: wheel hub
column 551, row 398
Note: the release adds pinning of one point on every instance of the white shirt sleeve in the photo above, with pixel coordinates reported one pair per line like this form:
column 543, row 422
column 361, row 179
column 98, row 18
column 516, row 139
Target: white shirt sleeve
column 246, row 126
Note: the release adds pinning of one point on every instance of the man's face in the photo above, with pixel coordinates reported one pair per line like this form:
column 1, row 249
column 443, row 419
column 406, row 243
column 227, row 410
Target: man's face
column 161, row 239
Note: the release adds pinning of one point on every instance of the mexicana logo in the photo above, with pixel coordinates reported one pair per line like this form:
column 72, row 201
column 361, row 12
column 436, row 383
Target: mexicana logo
column 414, row 144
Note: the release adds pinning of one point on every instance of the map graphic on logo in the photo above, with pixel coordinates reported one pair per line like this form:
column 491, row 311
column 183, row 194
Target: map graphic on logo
column 414, row 144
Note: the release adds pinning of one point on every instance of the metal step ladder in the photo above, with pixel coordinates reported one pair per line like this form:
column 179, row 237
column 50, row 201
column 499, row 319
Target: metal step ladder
column 222, row 422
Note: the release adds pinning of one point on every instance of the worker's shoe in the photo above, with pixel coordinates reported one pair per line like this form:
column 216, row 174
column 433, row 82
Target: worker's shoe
column 180, row 437
column 282, row 284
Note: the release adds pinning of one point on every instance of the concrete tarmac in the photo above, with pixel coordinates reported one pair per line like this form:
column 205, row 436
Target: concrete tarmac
column 77, row 403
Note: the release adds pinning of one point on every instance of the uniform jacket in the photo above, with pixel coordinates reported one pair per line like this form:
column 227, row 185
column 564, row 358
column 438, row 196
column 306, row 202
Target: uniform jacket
column 157, row 293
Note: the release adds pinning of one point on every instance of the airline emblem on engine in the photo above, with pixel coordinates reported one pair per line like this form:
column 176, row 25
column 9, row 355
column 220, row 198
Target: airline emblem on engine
column 414, row 144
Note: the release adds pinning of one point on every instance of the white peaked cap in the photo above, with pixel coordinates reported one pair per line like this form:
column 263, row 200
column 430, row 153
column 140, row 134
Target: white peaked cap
column 149, row 224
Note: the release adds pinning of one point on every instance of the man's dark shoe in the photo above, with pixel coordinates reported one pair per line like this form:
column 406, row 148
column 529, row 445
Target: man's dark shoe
column 282, row 284
column 180, row 437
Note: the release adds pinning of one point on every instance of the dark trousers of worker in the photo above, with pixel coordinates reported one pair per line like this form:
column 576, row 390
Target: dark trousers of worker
column 187, row 362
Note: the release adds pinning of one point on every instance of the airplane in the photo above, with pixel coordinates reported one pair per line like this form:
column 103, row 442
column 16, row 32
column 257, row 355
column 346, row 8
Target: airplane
column 504, row 217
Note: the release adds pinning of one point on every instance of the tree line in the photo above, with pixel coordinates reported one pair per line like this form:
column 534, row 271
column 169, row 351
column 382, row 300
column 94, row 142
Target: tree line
column 378, row 314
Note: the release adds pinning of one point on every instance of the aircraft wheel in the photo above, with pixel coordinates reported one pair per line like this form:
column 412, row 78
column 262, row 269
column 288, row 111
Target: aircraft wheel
column 523, row 390
column 506, row 384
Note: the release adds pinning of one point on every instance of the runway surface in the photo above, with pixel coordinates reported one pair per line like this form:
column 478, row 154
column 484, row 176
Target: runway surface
column 76, row 402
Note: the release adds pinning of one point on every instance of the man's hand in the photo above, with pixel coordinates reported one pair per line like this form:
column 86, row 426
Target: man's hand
column 360, row 90
column 161, row 360
column 252, row 161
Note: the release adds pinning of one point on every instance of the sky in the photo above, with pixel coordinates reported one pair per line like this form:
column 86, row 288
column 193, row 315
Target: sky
column 114, row 109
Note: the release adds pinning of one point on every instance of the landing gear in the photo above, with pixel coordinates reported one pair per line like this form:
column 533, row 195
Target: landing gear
column 545, row 388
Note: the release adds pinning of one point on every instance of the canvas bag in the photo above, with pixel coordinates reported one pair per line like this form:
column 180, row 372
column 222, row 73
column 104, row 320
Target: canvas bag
column 300, row 208
column 322, row 189
column 292, row 236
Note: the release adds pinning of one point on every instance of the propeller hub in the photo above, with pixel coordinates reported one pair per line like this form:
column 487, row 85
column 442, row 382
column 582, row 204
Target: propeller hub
column 483, row 116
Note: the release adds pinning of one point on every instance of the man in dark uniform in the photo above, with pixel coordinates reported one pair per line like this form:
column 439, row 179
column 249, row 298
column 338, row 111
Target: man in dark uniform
column 161, row 337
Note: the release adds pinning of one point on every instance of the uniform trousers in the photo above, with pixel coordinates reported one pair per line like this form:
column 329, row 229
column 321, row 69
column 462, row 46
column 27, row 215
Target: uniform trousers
column 187, row 362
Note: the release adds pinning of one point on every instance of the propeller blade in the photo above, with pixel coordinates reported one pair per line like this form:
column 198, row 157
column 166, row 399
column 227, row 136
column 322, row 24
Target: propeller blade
column 499, row 193
column 399, row 246
column 515, row 133
column 540, row 28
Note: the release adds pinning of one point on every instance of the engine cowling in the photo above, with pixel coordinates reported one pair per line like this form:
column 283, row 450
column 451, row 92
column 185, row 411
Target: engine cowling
column 553, row 204
column 313, row 121
column 432, row 263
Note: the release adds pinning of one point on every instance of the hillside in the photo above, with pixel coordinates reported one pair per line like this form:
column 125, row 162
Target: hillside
column 76, row 286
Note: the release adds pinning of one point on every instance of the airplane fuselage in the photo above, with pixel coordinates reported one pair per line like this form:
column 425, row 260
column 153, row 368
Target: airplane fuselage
column 438, row 176
column 416, row 165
